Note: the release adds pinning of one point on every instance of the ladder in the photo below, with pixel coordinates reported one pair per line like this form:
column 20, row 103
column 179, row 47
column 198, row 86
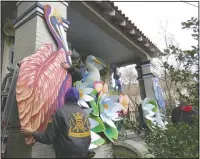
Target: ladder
column 8, row 98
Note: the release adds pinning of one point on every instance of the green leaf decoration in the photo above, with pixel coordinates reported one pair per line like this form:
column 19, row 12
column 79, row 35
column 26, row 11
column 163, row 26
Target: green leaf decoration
column 100, row 127
column 101, row 108
column 9, row 31
column 149, row 124
column 9, row 40
column 93, row 93
column 75, row 83
column 111, row 133
column 153, row 102
column 99, row 142
column 8, row 27
column 95, row 108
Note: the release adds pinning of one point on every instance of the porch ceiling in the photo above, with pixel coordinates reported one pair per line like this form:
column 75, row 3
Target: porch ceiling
column 88, row 39
column 8, row 9
column 91, row 33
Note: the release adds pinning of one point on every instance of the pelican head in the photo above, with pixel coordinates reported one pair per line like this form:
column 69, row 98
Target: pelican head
column 55, row 24
column 91, row 60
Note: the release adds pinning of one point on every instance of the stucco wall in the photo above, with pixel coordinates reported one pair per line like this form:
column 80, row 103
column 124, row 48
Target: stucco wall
column 25, row 40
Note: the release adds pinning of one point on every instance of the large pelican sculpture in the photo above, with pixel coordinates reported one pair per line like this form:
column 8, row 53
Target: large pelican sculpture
column 42, row 82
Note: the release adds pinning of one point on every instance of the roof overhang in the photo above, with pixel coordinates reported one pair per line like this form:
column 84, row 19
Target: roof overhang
column 97, row 28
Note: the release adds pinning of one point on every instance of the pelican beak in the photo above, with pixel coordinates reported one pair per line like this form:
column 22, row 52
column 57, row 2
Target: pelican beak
column 97, row 61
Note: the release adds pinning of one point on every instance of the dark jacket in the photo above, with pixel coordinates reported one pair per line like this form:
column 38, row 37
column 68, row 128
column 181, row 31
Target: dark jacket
column 69, row 132
column 182, row 114
column 76, row 74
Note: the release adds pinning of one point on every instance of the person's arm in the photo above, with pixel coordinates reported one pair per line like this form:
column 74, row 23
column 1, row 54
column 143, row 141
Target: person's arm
column 49, row 135
column 73, row 70
column 44, row 137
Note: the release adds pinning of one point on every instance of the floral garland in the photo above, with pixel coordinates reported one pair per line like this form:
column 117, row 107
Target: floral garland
column 9, row 31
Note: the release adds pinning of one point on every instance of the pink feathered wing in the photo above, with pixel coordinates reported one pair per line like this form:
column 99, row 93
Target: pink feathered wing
column 38, row 86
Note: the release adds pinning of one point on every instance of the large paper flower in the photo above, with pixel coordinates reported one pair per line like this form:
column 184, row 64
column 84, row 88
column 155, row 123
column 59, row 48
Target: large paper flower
column 151, row 113
column 101, row 88
column 84, row 92
column 124, row 100
column 110, row 110
column 98, row 86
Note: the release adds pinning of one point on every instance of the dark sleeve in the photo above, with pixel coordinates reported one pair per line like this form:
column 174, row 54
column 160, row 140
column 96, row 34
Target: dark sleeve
column 49, row 134
column 74, row 70
column 195, row 112
column 173, row 116
column 71, row 70
column 76, row 74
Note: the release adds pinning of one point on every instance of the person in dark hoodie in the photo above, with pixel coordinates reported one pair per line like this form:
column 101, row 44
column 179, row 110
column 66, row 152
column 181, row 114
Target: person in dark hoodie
column 69, row 131
column 76, row 69
column 183, row 113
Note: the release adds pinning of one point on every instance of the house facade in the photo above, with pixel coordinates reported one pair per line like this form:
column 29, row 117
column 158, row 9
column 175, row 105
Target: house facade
column 92, row 28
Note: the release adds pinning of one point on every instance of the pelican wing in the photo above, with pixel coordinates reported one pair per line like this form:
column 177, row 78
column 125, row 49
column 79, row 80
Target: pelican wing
column 40, row 86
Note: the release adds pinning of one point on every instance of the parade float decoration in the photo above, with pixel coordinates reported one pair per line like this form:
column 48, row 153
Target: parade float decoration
column 154, row 109
column 42, row 84
column 106, row 108
column 158, row 94
column 9, row 31
column 152, row 113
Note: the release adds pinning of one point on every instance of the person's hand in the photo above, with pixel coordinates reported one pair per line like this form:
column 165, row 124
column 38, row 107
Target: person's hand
column 26, row 132
column 19, row 63
column 65, row 65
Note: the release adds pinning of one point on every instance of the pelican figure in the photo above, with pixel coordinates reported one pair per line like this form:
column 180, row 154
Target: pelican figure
column 42, row 82
column 93, row 74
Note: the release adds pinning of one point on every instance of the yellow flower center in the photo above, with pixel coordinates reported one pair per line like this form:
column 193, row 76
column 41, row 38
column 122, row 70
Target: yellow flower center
column 81, row 93
column 105, row 106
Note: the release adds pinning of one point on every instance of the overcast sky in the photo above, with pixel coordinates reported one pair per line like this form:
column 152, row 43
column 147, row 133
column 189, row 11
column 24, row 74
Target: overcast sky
column 147, row 16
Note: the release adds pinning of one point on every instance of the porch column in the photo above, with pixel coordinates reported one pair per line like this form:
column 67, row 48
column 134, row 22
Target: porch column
column 31, row 32
column 145, row 78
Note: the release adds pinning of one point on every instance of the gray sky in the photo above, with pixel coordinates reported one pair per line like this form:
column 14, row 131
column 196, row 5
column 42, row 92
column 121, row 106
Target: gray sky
column 147, row 16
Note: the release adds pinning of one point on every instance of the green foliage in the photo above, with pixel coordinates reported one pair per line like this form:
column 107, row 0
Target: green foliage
column 188, row 75
column 114, row 92
column 180, row 141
